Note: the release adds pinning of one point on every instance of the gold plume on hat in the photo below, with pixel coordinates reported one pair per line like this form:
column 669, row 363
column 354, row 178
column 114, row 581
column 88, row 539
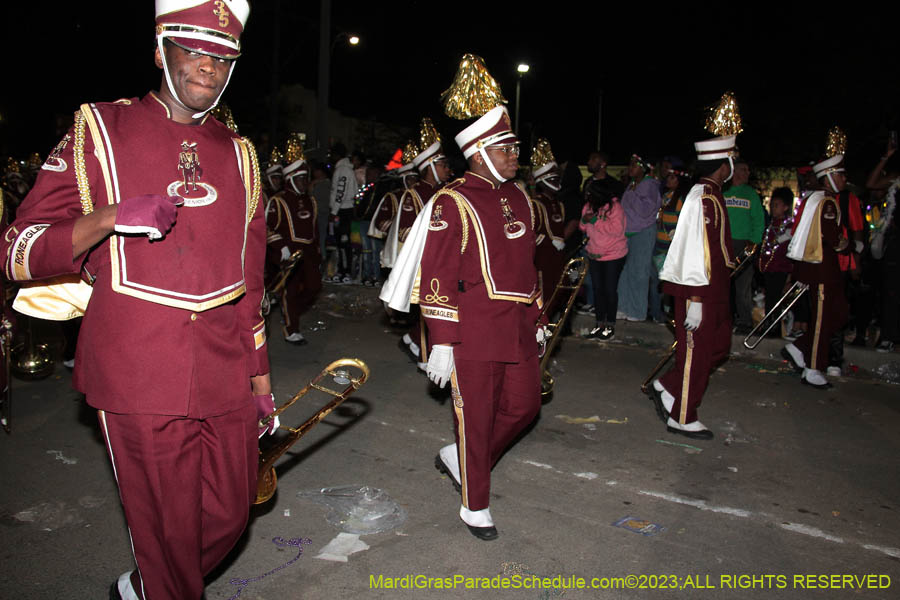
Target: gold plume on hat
column 34, row 160
column 542, row 154
column 724, row 118
column 428, row 134
column 275, row 157
column 836, row 142
column 409, row 152
column 12, row 166
column 293, row 150
column 473, row 91
column 223, row 114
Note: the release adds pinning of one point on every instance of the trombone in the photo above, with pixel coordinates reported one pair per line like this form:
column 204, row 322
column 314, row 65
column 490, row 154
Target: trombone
column 769, row 321
column 746, row 258
column 341, row 372
column 570, row 279
column 285, row 271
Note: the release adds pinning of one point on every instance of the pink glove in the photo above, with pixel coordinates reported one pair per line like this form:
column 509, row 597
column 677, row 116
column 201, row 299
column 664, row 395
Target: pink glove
column 265, row 406
column 151, row 214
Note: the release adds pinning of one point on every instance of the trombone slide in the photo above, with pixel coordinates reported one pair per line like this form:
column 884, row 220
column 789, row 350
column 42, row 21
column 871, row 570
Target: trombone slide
column 774, row 316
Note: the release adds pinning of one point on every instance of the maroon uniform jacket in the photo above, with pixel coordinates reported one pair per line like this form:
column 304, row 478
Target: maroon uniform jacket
column 550, row 224
column 829, row 269
column 411, row 202
column 386, row 211
column 173, row 326
column 292, row 223
column 718, row 241
column 477, row 282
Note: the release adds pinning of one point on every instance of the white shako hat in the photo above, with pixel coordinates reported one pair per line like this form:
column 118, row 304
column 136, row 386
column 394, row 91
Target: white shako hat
column 429, row 146
column 716, row 148
column 835, row 164
column 408, row 157
column 293, row 156
column 542, row 160
column 211, row 27
column 493, row 128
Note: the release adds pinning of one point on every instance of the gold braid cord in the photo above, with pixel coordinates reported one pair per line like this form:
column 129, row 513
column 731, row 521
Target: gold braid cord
column 84, row 187
column 254, row 176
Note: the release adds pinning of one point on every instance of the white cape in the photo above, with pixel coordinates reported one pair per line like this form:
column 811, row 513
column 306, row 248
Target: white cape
column 686, row 259
column 398, row 288
column 797, row 246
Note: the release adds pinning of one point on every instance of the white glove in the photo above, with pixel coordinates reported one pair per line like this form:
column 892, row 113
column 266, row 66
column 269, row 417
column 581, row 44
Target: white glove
column 285, row 253
column 858, row 245
column 542, row 334
column 559, row 245
column 440, row 364
column 694, row 316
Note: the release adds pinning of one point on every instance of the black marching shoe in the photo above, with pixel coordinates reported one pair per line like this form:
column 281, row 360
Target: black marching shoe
column 656, row 397
column 483, row 533
column 440, row 466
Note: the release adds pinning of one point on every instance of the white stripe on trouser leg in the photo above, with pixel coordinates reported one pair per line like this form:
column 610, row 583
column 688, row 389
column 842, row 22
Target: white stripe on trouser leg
column 128, row 592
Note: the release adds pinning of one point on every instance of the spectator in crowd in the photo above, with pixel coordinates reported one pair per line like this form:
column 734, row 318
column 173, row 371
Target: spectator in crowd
column 603, row 221
column 641, row 201
column 747, row 218
column 676, row 186
column 883, row 184
column 320, row 190
column 343, row 191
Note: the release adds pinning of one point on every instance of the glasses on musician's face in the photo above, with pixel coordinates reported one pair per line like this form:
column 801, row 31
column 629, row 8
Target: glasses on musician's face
column 507, row 149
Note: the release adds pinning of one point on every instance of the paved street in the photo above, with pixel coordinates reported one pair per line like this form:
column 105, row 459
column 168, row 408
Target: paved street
column 797, row 482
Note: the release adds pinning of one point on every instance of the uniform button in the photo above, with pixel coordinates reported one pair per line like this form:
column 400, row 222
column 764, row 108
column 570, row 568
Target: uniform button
column 193, row 316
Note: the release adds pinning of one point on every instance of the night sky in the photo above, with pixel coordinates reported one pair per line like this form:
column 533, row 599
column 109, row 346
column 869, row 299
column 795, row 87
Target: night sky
column 794, row 73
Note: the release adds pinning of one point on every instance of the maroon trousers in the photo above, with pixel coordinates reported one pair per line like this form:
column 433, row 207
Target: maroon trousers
column 697, row 355
column 186, row 487
column 828, row 313
column 492, row 403
column 300, row 292
column 418, row 334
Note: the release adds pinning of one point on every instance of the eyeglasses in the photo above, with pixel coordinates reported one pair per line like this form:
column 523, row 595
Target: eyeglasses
column 507, row 149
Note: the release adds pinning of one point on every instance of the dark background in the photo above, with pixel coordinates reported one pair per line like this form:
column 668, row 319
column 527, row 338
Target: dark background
column 794, row 72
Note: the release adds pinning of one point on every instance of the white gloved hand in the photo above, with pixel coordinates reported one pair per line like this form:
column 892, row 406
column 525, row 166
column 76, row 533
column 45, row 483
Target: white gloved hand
column 694, row 316
column 559, row 245
column 285, row 253
column 858, row 245
column 440, row 364
column 543, row 334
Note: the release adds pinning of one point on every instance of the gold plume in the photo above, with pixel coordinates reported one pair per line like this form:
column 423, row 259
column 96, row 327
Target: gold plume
column 428, row 134
column 223, row 114
column 836, row 143
column 12, row 166
column 275, row 157
column 34, row 160
column 293, row 150
column 409, row 152
column 473, row 91
column 724, row 118
column 542, row 154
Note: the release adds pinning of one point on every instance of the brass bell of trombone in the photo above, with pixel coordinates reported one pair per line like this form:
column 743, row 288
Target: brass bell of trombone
column 29, row 360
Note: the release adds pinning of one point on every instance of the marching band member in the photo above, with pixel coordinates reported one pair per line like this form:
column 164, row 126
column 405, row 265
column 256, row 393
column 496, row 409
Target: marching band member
column 469, row 264
column 550, row 217
column 172, row 349
column 696, row 273
column 814, row 248
column 294, row 227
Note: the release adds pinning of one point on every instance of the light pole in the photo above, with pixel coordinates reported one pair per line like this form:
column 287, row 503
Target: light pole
column 521, row 69
column 326, row 47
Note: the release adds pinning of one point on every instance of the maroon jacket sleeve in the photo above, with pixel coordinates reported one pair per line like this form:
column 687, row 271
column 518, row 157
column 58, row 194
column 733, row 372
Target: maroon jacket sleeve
column 249, row 305
column 39, row 242
column 439, row 273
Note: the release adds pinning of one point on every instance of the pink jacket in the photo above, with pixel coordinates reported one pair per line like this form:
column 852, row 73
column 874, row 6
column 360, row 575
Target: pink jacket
column 606, row 232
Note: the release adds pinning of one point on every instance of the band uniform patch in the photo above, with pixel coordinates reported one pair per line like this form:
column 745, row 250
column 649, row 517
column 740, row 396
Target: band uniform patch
column 512, row 229
column 193, row 191
column 437, row 223
column 54, row 162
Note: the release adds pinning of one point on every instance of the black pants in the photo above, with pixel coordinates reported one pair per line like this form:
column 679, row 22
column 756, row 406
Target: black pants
column 345, row 247
column 889, row 268
column 605, row 280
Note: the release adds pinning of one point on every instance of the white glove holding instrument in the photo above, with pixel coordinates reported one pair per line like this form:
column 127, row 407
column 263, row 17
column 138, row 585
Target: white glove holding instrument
column 285, row 253
column 559, row 245
column 694, row 316
column 440, row 364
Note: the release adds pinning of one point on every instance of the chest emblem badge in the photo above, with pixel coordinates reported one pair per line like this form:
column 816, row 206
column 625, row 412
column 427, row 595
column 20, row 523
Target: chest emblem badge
column 189, row 187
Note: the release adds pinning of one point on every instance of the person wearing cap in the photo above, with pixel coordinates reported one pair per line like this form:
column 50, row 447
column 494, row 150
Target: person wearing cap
column 434, row 170
column 550, row 221
column 158, row 205
column 696, row 273
column 294, row 227
column 469, row 263
column 817, row 240
column 641, row 201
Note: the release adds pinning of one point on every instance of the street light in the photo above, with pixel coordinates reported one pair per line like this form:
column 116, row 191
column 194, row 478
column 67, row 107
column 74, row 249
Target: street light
column 353, row 40
column 522, row 69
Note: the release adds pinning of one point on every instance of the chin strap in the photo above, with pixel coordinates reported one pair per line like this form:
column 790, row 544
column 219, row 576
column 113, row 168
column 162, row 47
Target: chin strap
column 546, row 181
column 162, row 54
column 731, row 170
column 434, row 172
column 293, row 185
column 490, row 165
column 831, row 183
